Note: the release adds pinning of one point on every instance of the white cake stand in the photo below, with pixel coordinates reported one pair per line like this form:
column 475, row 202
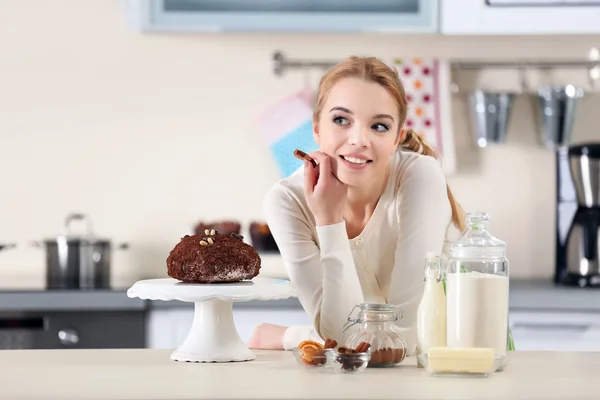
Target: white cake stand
column 213, row 336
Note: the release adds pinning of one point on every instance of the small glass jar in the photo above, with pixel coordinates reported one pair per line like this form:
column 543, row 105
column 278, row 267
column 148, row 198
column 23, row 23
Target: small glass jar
column 376, row 327
column 477, row 291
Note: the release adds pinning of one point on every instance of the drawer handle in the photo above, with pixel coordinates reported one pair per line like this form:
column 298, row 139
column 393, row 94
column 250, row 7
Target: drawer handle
column 548, row 327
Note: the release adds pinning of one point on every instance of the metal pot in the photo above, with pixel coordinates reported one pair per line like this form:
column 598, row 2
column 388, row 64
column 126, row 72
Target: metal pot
column 78, row 261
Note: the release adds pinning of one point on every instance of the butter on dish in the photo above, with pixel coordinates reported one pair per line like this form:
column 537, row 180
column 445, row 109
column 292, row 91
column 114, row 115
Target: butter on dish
column 469, row 360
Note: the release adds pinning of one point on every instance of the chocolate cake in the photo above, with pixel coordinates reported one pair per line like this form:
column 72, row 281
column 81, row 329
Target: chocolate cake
column 211, row 257
column 224, row 227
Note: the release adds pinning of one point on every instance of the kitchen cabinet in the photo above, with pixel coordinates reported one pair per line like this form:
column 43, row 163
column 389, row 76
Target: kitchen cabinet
column 519, row 17
column 555, row 331
column 406, row 16
column 168, row 327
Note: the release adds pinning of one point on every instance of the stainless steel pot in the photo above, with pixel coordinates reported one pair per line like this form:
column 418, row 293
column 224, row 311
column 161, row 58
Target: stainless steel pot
column 78, row 261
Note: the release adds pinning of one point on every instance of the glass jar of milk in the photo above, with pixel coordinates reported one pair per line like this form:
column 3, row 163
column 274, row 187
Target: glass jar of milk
column 477, row 292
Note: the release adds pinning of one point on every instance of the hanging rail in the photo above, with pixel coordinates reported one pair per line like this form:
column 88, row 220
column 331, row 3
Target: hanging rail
column 281, row 63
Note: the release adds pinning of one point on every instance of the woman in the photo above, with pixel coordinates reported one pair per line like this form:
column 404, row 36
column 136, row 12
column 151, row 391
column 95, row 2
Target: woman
column 356, row 228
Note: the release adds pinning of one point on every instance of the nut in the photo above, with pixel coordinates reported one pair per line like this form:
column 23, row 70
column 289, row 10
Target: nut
column 203, row 243
column 206, row 232
column 212, row 232
column 210, row 241
column 330, row 344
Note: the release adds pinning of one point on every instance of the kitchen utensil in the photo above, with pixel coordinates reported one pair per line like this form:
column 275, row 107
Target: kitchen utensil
column 490, row 113
column 78, row 261
column 584, row 164
column 213, row 336
column 557, row 109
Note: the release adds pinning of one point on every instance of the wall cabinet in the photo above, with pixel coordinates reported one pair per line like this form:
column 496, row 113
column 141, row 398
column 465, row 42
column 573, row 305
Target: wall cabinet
column 519, row 17
column 410, row 16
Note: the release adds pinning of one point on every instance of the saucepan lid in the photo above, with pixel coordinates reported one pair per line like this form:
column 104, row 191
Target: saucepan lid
column 69, row 234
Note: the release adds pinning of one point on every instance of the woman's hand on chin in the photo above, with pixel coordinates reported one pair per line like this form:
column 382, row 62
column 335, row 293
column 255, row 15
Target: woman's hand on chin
column 325, row 194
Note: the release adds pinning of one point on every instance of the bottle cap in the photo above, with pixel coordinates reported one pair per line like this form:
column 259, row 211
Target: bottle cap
column 432, row 256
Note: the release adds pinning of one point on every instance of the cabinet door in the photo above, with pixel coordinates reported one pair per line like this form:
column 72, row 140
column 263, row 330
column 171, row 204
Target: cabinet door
column 286, row 15
column 521, row 17
column 168, row 328
column 160, row 329
column 247, row 319
column 555, row 331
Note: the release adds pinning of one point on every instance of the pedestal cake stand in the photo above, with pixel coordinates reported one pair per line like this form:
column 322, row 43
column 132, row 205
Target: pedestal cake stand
column 213, row 336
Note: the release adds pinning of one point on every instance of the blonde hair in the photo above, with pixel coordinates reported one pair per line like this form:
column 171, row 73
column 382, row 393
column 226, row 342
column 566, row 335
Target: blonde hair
column 373, row 70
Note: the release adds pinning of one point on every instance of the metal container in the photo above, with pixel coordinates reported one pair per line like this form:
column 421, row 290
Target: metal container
column 490, row 113
column 78, row 261
column 583, row 240
column 584, row 163
column 557, row 109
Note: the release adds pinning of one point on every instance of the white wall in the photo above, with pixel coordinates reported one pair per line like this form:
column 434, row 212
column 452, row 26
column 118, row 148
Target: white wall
column 150, row 133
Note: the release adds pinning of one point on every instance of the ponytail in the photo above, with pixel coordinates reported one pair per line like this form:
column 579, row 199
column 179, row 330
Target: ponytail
column 413, row 142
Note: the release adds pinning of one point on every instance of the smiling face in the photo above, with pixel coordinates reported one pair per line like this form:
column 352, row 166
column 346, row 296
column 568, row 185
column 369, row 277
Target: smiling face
column 358, row 128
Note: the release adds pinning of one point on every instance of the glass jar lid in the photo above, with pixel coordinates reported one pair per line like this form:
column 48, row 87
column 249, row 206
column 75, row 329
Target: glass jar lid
column 374, row 312
column 476, row 241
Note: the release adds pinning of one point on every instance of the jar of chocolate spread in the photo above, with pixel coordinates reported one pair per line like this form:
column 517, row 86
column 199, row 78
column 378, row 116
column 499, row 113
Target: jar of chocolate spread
column 376, row 327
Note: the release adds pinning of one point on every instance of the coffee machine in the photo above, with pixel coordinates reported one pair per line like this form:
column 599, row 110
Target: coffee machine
column 578, row 215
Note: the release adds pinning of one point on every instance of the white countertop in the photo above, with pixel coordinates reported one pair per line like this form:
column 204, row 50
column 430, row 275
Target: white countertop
column 150, row 374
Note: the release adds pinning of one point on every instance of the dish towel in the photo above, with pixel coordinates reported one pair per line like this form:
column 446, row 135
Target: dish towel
column 288, row 126
column 427, row 86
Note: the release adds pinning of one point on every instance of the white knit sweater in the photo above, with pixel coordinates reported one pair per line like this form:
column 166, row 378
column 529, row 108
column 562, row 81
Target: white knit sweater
column 384, row 264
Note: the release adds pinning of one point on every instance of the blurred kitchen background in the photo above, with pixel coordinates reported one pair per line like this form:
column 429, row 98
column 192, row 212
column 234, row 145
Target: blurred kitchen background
column 152, row 116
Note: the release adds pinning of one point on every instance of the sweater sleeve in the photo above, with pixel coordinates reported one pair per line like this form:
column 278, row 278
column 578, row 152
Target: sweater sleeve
column 323, row 274
column 424, row 214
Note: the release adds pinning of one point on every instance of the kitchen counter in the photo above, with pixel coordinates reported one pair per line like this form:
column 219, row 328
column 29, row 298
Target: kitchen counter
column 150, row 374
column 68, row 300
column 544, row 295
column 537, row 295
column 525, row 294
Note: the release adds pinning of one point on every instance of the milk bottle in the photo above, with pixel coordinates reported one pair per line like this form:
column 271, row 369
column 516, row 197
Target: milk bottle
column 431, row 314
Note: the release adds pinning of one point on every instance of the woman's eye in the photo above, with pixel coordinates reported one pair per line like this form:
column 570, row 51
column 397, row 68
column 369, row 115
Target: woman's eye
column 340, row 120
column 379, row 127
